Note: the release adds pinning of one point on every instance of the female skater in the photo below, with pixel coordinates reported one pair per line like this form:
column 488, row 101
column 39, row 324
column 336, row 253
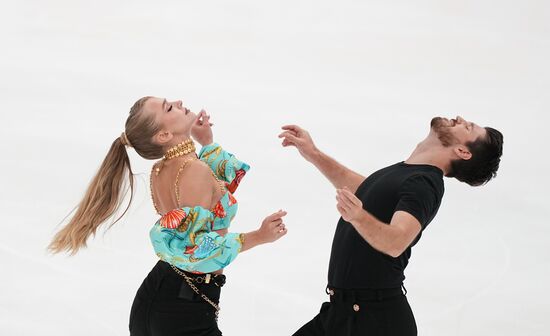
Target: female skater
column 193, row 194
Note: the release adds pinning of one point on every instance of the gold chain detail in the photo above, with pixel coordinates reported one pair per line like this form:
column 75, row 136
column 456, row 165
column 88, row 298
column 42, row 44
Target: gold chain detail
column 183, row 148
column 220, row 183
column 151, row 188
column 196, row 290
column 156, row 170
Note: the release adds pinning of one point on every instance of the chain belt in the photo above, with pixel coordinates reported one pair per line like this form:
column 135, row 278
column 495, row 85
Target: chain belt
column 189, row 281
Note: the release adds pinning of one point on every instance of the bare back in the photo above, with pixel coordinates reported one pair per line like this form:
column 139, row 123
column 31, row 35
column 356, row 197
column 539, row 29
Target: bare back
column 195, row 184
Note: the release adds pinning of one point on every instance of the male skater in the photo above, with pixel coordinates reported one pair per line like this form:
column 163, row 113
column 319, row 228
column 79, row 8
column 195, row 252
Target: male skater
column 383, row 217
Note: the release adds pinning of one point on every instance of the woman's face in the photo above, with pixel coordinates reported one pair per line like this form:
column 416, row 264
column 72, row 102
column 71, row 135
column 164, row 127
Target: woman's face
column 175, row 119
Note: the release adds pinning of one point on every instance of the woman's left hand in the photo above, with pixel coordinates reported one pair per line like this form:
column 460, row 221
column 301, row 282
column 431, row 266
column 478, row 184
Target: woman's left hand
column 202, row 130
column 349, row 206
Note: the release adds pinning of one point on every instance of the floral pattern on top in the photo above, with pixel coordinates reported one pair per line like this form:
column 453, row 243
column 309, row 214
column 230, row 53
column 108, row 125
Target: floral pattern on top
column 186, row 237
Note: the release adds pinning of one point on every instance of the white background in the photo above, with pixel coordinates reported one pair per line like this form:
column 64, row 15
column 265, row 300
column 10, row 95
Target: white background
column 364, row 77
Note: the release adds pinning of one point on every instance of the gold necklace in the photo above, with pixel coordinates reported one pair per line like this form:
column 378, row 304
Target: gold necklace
column 183, row 148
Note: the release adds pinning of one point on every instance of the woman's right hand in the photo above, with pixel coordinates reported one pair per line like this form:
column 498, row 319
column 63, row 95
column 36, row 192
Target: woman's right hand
column 272, row 227
column 201, row 130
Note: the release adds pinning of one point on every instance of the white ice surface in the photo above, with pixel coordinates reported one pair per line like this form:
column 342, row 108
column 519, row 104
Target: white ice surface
column 364, row 77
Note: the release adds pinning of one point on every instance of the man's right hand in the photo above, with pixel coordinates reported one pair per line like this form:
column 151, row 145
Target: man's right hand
column 298, row 137
column 339, row 175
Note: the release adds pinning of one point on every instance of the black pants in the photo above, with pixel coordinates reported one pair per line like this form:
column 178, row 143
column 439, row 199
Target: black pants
column 165, row 306
column 353, row 313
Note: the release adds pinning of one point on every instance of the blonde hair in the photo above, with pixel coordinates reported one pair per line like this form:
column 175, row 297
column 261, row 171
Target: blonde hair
column 104, row 195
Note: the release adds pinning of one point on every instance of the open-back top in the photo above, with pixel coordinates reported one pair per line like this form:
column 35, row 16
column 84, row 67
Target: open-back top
column 185, row 236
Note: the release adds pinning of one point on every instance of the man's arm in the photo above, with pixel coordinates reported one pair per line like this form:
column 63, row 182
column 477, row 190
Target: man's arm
column 392, row 239
column 339, row 175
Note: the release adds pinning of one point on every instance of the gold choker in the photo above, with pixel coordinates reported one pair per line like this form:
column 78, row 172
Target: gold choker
column 183, row 148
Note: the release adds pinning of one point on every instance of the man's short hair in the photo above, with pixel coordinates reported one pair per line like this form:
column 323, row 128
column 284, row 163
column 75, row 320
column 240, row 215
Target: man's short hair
column 483, row 164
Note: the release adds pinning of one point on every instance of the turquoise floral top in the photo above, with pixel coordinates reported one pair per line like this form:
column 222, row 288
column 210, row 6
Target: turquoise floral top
column 185, row 237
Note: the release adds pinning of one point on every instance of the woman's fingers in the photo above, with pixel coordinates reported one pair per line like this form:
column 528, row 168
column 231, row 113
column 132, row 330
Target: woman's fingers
column 273, row 225
column 279, row 214
column 277, row 222
column 203, row 118
column 201, row 114
column 276, row 216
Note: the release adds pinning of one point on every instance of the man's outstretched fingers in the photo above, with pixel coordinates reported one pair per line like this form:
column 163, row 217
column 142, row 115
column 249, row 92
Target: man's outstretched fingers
column 293, row 128
column 287, row 142
column 287, row 134
column 291, row 137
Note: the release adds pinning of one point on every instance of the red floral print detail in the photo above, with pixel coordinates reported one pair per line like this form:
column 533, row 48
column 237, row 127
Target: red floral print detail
column 236, row 181
column 190, row 249
column 232, row 200
column 218, row 210
column 172, row 219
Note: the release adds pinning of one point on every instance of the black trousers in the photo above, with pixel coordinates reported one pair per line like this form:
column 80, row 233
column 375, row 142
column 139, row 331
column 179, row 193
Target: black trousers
column 164, row 305
column 353, row 313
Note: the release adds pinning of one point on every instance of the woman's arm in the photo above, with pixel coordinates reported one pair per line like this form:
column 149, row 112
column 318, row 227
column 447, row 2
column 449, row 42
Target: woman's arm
column 272, row 228
column 193, row 192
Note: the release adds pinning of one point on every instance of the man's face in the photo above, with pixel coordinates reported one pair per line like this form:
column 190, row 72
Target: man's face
column 456, row 131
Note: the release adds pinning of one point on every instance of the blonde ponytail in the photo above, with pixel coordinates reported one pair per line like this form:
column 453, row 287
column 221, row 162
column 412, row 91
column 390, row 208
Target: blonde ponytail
column 102, row 199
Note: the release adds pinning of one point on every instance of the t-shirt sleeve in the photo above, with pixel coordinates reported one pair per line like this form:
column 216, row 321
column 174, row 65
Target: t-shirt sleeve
column 419, row 197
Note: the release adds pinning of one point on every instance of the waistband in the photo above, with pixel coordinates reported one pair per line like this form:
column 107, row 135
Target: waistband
column 356, row 295
column 198, row 278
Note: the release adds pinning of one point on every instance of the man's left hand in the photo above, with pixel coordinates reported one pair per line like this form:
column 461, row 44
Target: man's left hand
column 349, row 206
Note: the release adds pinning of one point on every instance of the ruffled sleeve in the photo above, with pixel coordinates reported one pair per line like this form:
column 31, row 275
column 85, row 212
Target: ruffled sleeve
column 184, row 238
column 224, row 164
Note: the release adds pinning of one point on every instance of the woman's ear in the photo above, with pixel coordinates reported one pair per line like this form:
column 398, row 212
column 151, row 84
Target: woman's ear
column 163, row 137
column 463, row 152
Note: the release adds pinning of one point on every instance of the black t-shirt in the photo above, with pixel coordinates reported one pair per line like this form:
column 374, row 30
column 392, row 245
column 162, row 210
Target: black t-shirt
column 414, row 188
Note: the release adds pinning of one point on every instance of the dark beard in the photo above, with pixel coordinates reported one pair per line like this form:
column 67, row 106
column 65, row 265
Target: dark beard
column 443, row 133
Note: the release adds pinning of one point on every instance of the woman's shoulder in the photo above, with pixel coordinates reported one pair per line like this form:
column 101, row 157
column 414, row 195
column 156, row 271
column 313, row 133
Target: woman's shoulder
column 199, row 170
